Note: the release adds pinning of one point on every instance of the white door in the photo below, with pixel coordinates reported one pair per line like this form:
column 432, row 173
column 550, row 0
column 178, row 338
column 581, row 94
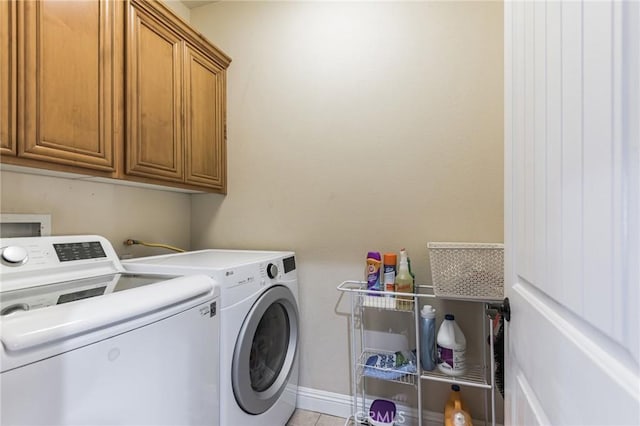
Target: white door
column 572, row 188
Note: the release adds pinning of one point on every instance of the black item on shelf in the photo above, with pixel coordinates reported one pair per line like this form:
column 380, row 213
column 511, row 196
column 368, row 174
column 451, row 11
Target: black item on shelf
column 498, row 355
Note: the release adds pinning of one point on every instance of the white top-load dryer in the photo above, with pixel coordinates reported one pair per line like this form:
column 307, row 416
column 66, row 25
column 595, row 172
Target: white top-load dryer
column 259, row 328
column 85, row 343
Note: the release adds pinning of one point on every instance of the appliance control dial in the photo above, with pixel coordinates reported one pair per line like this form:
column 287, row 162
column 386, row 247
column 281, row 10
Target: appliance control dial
column 14, row 255
column 272, row 270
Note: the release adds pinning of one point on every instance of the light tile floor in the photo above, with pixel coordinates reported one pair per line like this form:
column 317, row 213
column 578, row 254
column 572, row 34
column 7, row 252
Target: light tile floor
column 311, row 418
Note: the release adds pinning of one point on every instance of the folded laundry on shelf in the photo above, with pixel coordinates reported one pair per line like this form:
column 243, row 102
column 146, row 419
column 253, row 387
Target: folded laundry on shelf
column 390, row 366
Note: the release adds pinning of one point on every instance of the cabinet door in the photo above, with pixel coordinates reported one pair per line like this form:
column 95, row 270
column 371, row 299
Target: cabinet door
column 154, row 117
column 204, row 97
column 68, row 58
column 7, row 88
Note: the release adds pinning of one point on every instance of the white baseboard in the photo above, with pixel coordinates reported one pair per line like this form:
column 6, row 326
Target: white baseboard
column 339, row 405
column 334, row 404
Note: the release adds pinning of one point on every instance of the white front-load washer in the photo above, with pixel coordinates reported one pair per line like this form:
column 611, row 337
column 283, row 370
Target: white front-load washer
column 259, row 328
column 83, row 342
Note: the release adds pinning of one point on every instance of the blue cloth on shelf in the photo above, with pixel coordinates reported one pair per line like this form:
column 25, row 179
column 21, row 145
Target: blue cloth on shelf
column 390, row 366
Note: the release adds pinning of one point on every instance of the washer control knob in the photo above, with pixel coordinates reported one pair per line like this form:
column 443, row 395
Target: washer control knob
column 14, row 255
column 272, row 270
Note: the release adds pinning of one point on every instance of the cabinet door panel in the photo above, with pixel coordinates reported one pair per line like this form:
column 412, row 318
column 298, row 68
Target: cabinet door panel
column 67, row 66
column 154, row 118
column 205, row 121
column 7, row 86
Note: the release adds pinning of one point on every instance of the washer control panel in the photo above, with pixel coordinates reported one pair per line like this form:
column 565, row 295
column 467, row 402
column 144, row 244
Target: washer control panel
column 79, row 251
column 272, row 270
column 37, row 251
column 14, row 255
column 25, row 255
column 33, row 261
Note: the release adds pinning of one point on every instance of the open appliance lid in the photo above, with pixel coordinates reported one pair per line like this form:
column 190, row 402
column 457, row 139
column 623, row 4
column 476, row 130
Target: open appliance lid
column 43, row 296
column 25, row 329
column 211, row 258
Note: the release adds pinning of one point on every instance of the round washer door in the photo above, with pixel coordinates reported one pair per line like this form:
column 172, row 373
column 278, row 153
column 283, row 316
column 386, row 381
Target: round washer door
column 265, row 350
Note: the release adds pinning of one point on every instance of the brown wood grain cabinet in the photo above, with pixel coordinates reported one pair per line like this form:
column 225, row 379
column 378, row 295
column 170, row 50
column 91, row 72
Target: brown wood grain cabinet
column 205, row 115
column 176, row 93
column 7, row 74
column 154, row 97
column 68, row 81
column 69, row 103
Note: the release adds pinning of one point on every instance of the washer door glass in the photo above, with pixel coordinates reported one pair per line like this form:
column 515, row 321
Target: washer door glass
column 265, row 350
column 269, row 347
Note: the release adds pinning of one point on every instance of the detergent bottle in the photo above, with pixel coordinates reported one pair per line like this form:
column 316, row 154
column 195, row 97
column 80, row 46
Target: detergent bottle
column 452, row 346
column 455, row 413
column 428, row 338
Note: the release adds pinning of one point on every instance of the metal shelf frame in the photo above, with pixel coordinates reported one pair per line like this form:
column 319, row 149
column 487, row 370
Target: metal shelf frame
column 479, row 376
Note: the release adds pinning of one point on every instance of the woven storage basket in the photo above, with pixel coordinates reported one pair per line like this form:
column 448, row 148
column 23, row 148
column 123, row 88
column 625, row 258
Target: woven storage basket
column 472, row 271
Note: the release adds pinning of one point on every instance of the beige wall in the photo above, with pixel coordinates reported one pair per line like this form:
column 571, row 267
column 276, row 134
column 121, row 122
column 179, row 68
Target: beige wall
column 353, row 127
column 114, row 211
column 179, row 9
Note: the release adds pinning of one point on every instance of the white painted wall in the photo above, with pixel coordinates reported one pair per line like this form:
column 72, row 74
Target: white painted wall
column 353, row 127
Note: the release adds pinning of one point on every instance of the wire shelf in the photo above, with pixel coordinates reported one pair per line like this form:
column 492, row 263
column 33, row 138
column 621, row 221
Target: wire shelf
column 406, row 378
column 387, row 300
column 476, row 376
column 386, row 303
column 362, row 299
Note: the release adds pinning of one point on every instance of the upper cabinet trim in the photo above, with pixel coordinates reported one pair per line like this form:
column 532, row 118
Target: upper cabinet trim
column 192, row 36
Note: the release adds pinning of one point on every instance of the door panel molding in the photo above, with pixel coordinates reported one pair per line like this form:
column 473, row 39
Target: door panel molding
column 204, row 127
column 154, row 117
column 532, row 413
column 71, row 108
column 572, row 234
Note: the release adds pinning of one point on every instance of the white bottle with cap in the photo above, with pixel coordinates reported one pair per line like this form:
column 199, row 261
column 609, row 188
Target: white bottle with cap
column 451, row 347
column 427, row 338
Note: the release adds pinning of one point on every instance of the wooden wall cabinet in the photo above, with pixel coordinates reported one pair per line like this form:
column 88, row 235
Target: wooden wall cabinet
column 64, row 91
column 205, row 120
column 7, row 74
column 67, row 105
column 176, row 93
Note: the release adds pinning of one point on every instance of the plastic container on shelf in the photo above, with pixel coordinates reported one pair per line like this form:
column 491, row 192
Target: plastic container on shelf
column 404, row 280
column 455, row 413
column 373, row 273
column 452, row 347
column 382, row 413
column 389, row 272
column 428, row 338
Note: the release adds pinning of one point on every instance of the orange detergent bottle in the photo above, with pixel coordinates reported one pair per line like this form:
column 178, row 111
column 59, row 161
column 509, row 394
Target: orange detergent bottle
column 455, row 413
